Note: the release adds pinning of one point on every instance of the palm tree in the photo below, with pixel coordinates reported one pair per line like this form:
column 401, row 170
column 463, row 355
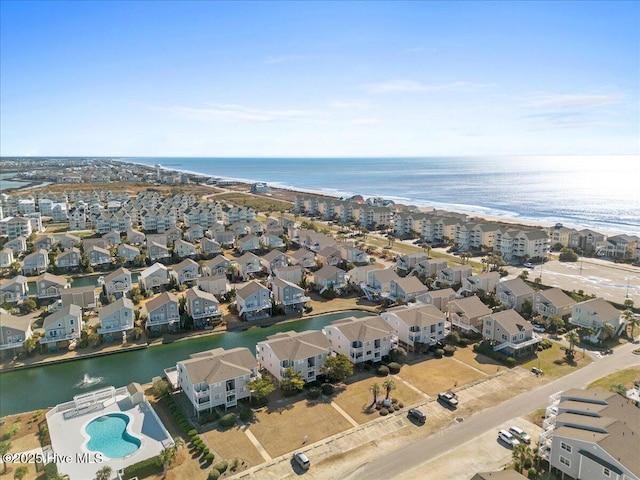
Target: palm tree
column 631, row 321
column 573, row 338
column 375, row 389
column 179, row 443
column 20, row 473
column 104, row 473
column 389, row 385
column 520, row 453
column 4, row 449
column 165, row 458
column 608, row 330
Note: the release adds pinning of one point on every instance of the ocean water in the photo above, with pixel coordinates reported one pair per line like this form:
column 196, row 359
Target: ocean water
column 597, row 192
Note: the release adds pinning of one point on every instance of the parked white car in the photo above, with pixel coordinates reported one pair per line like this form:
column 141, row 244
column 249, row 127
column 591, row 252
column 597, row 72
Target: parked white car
column 507, row 438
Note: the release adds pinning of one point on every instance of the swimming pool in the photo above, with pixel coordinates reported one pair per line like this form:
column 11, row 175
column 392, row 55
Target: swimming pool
column 108, row 435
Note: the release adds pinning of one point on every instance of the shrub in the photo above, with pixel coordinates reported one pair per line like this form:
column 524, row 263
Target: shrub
column 209, row 457
column 449, row 350
column 314, row 392
column 438, row 353
column 195, row 438
column 394, row 367
column 401, row 405
column 205, row 451
column 228, row 420
column 464, row 342
column 143, row 469
column 384, row 411
column 327, row 388
column 510, row 361
column 383, row 370
column 192, row 432
column 246, row 414
column 528, row 463
column 221, row 466
column 453, row 337
column 213, row 475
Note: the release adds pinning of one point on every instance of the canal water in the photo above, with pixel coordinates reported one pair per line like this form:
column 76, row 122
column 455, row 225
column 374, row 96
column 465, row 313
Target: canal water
column 46, row 386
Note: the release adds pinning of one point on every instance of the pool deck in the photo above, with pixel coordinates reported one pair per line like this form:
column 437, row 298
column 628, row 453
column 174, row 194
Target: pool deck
column 68, row 437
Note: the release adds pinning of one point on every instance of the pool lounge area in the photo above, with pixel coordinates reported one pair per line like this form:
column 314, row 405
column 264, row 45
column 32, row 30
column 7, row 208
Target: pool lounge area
column 115, row 427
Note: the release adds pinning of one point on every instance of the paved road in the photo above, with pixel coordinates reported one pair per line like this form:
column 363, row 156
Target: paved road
column 395, row 463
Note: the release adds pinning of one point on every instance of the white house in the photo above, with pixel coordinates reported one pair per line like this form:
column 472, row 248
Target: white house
column 305, row 352
column 186, row 271
column 594, row 314
column 36, row 263
column 253, row 301
column 360, row 339
column 216, row 285
column 155, row 276
column 416, row 325
column 408, row 289
column 62, row 327
column 486, row 282
column 217, row 377
column 184, row 249
column 512, row 334
column 6, row 258
column 117, row 283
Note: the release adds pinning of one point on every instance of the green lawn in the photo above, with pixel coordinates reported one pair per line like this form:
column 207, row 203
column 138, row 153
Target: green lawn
column 552, row 364
column 624, row 377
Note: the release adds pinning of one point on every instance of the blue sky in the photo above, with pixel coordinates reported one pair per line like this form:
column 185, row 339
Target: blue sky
column 319, row 78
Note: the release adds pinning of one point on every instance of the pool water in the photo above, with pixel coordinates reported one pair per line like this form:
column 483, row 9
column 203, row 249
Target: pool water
column 108, row 435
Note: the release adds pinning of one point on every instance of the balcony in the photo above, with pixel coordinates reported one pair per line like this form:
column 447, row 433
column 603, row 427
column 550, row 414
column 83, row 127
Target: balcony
column 60, row 338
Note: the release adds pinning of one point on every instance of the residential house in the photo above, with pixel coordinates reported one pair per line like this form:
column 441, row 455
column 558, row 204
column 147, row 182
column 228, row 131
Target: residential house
column 6, row 258
column 155, row 276
column 454, row 275
column 50, row 286
column 186, row 271
column 288, row 295
column 247, row 264
column 429, row 267
column 248, row 243
column 329, row 256
column 116, row 319
column 85, row 297
column 217, row 378
column 406, row 263
column 304, row 258
column 112, row 238
column 194, row 233
column 353, row 254
column 618, row 246
column 232, row 215
column 514, row 293
column 14, row 331
column 157, row 251
column 117, row 283
column 585, row 241
column 44, row 243
column 552, row 301
column 361, row 339
column 226, row 239
column 240, row 229
column 184, row 249
column 253, row 301
column 440, row 298
column 416, row 325
column 409, row 289
column 594, row 314
column 256, row 227
column 561, row 235
column 18, row 245
column 62, row 327
column 329, row 277
column 68, row 259
column 591, row 434
column 35, row 263
column 134, row 237
column 18, row 227
column 270, row 240
column 291, row 274
column 209, row 246
column 485, row 282
column 358, row 275
column 98, row 256
column 513, row 335
column 216, row 285
column 163, row 313
column 379, row 283
column 202, row 306
column 272, row 260
column 14, row 290
column 128, row 252
column 68, row 241
column 467, row 313
column 173, row 234
column 217, row 266
column 305, row 352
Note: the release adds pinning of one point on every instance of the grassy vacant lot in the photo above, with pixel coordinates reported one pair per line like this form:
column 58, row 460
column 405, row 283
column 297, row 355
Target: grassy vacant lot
column 476, row 360
column 435, row 375
column 624, row 377
column 259, row 204
column 282, row 428
column 357, row 396
column 230, row 443
column 322, row 305
column 552, row 363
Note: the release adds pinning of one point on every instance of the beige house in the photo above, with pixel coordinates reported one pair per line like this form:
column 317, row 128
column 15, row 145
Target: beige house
column 512, row 334
column 361, row 339
column 51, row 286
column 485, row 282
column 85, row 297
column 305, row 352
column 468, row 313
column 329, row 277
column 454, row 275
column 217, row 378
column 440, row 298
column 552, row 301
column 217, row 266
column 514, row 293
column 216, row 285
column 594, row 314
column 406, row 263
column 408, row 289
column 68, row 259
column 416, row 325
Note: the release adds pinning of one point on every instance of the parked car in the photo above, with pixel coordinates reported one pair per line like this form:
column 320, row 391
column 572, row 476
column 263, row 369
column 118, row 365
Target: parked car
column 302, row 460
column 418, row 415
column 507, row 438
column 539, row 328
column 520, row 434
column 449, row 398
column 606, row 352
column 528, row 265
column 537, row 371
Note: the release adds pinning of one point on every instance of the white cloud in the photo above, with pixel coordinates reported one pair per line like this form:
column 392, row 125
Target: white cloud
column 242, row 113
column 404, row 86
column 559, row 101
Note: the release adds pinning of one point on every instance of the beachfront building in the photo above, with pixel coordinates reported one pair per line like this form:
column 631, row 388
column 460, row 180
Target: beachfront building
column 552, row 301
column 14, row 290
column 85, row 297
column 511, row 334
column 232, row 215
column 217, row 378
column 585, row 241
column 216, row 285
column 467, row 314
column 14, row 331
column 35, row 263
column 593, row 314
column 18, row 227
column 116, row 319
column 62, row 328
column 186, row 271
column 485, row 282
column 361, row 339
column 154, row 277
column 513, row 243
column 202, row 306
column 618, row 246
column 416, row 325
column 329, row 277
column 253, row 301
column 305, row 352
column 163, row 313
column 440, row 298
column 288, row 295
column 50, row 286
column 514, row 293
column 117, row 283
column 591, row 434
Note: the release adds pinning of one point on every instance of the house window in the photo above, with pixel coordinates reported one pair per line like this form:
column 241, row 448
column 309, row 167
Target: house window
column 565, row 447
column 565, row 461
column 606, row 472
